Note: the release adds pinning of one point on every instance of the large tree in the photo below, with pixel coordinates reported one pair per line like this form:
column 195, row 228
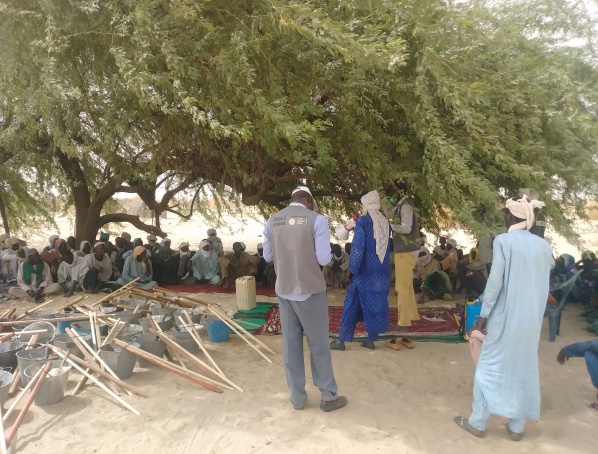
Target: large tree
column 468, row 101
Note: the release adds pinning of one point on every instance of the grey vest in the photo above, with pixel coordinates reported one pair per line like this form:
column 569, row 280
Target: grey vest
column 406, row 242
column 293, row 249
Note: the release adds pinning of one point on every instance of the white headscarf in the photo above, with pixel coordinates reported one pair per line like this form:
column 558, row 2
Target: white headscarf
column 371, row 206
column 260, row 246
column 82, row 245
column 212, row 232
column 183, row 244
column 425, row 259
column 202, row 245
column 452, row 242
column 523, row 209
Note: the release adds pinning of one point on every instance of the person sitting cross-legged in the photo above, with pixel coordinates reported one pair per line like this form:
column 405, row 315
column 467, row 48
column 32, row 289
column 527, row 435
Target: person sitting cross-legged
column 96, row 270
column 68, row 273
column 204, row 266
column 34, row 279
column 138, row 266
column 237, row 264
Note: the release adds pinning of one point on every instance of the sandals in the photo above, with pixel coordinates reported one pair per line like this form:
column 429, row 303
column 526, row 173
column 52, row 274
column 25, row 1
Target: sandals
column 408, row 343
column 392, row 343
column 464, row 424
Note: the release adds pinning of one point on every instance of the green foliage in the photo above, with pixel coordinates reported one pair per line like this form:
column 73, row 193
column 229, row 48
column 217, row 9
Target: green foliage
column 468, row 101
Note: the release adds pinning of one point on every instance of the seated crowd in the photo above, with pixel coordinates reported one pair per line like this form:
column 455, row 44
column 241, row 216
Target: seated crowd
column 61, row 267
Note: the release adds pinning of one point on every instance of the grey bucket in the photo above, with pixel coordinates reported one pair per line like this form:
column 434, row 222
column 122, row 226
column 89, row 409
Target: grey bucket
column 38, row 326
column 164, row 325
column 194, row 313
column 120, row 360
column 45, row 314
column 184, row 339
column 64, row 342
column 53, row 387
column 130, row 332
column 26, row 358
column 152, row 344
column 5, row 382
column 127, row 316
column 8, row 354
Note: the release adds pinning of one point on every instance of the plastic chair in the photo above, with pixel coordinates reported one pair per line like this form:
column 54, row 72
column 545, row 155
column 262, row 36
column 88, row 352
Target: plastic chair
column 553, row 312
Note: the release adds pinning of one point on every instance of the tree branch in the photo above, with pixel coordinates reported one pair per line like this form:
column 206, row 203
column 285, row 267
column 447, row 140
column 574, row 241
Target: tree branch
column 133, row 220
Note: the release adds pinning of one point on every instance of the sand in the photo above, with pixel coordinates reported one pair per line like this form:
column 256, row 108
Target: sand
column 399, row 402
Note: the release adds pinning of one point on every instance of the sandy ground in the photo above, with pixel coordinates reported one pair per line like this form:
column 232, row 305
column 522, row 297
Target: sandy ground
column 399, row 402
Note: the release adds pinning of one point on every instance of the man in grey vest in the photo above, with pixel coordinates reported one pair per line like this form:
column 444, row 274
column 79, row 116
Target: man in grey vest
column 297, row 240
column 407, row 243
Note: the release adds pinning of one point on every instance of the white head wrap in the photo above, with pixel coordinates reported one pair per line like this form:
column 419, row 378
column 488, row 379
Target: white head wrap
column 211, row 232
column 52, row 239
column 371, row 206
column 82, row 245
column 452, row 242
column 530, row 193
column 243, row 246
column 425, row 259
column 165, row 240
column 152, row 238
column 260, row 246
column 202, row 245
column 182, row 245
column 99, row 243
column 523, row 209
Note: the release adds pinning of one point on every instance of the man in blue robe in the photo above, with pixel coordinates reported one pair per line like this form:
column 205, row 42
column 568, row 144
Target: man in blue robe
column 369, row 271
column 507, row 381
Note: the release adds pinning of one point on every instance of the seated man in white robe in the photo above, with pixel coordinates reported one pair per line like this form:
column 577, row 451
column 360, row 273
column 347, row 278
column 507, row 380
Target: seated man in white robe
column 138, row 266
column 68, row 273
column 34, row 279
column 204, row 266
column 215, row 242
column 95, row 271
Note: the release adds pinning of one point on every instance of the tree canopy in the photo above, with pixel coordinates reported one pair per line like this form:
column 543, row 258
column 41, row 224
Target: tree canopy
column 467, row 101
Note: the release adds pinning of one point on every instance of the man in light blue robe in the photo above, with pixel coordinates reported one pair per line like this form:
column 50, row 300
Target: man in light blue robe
column 138, row 266
column 204, row 265
column 507, row 381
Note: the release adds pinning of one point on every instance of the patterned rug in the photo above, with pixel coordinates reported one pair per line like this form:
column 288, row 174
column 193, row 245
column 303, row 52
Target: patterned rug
column 436, row 322
column 207, row 288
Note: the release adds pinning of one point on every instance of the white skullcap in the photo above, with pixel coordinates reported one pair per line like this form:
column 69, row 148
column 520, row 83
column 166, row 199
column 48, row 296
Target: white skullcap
column 99, row 243
column 523, row 209
column 31, row 251
column 243, row 245
column 301, row 189
column 211, row 232
column 183, row 244
column 152, row 238
column 371, row 201
column 203, row 244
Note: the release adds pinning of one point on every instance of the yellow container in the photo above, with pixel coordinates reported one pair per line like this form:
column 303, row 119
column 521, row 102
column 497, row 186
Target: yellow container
column 246, row 299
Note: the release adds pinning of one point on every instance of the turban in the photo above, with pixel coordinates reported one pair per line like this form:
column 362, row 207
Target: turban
column 183, row 244
column 32, row 251
column 9, row 242
column 82, row 245
column 203, row 244
column 53, row 238
column 243, row 246
column 151, row 238
column 301, row 191
column 523, row 209
column 166, row 240
column 211, row 232
column 474, row 255
column 371, row 206
column 99, row 243
column 425, row 259
column 104, row 236
column 452, row 242
column 138, row 251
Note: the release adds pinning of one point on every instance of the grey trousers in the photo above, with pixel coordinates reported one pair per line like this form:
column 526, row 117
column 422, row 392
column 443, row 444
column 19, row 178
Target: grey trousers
column 309, row 317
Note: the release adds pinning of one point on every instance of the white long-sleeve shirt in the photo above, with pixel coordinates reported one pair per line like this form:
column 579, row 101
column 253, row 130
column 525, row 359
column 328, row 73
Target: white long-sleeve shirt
column 68, row 273
column 47, row 279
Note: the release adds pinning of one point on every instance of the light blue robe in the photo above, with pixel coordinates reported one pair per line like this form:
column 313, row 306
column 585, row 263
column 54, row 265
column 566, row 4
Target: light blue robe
column 132, row 269
column 206, row 268
column 514, row 302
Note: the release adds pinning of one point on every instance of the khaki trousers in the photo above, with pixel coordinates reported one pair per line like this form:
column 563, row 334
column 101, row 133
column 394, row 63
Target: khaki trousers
column 404, row 264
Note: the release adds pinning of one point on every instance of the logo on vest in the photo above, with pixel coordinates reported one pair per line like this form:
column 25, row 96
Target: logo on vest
column 292, row 221
column 301, row 221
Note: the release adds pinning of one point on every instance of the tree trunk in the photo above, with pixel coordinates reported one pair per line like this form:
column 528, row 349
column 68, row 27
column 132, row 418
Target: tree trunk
column 4, row 216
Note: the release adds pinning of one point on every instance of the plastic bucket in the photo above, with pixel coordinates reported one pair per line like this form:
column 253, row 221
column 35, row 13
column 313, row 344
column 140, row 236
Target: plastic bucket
column 120, row 360
column 54, row 386
column 8, row 354
column 5, row 382
column 217, row 331
column 472, row 313
column 64, row 342
column 184, row 339
column 26, row 358
column 152, row 344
